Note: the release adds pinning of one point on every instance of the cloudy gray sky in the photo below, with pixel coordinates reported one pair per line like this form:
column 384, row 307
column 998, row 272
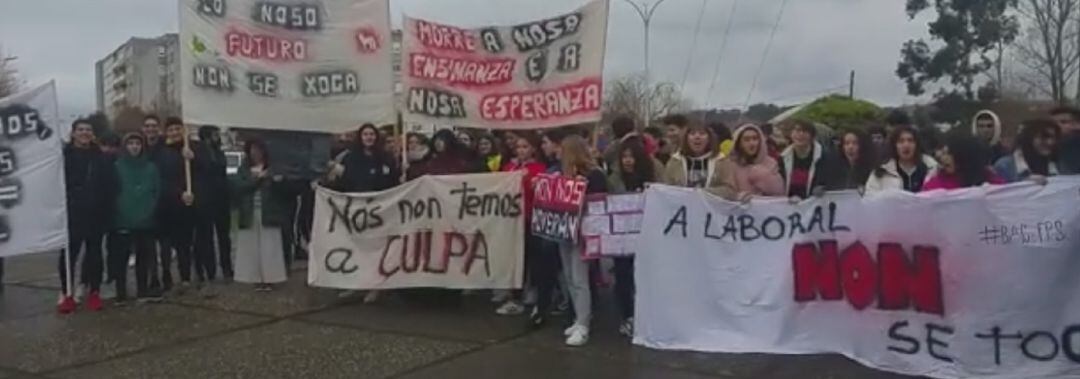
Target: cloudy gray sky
column 818, row 43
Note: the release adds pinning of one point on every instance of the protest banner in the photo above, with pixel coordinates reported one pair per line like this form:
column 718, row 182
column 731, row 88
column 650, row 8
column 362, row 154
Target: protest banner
column 33, row 199
column 455, row 231
column 556, row 210
column 540, row 74
column 319, row 66
column 972, row 283
column 611, row 224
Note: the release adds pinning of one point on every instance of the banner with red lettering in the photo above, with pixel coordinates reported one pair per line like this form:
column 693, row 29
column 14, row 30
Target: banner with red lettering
column 540, row 74
column 979, row 282
column 455, row 231
column 611, row 224
column 556, row 209
column 315, row 65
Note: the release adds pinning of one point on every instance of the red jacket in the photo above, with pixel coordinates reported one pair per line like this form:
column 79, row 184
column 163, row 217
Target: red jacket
column 531, row 169
column 949, row 182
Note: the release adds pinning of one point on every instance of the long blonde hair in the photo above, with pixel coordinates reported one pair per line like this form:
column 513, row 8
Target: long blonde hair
column 575, row 157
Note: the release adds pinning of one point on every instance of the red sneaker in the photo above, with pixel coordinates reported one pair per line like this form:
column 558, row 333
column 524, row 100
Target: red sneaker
column 93, row 302
column 66, row 306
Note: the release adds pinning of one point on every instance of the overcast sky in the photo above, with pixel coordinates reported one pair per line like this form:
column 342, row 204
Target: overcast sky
column 818, row 43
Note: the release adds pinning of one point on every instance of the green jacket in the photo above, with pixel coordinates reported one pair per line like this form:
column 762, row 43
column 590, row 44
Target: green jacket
column 140, row 189
column 244, row 187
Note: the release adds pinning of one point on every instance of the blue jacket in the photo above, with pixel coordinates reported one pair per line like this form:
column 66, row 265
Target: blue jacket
column 1014, row 168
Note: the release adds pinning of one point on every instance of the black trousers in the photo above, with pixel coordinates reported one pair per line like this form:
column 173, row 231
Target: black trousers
column 82, row 238
column 624, row 286
column 141, row 244
column 179, row 229
column 1, row 272
column 160, row 275
column 542, row 261
column 213, row 226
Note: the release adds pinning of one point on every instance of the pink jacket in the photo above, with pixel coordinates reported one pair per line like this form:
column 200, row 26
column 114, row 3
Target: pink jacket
column 944, row 181
column 761, row 177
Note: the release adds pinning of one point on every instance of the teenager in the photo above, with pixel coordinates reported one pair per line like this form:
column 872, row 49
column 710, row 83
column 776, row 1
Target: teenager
column 577, row 163
column 634, row 171
column 153, row 134
column 418, row 151
column 487, row 149
column 213, row 211
column 907, row 167
column 176, row 213
column 857, row 161
column 466, row 140
column 987, row 126
column 749, row 171
column 527, row 159
column 805, row 165
column 963, row 164
column 91, row 192
column 1036, row 153
column 448, row 156
column 365, row 167
column 674, row 128
column 1069, row 147
column 139, row 190
column 694, row 165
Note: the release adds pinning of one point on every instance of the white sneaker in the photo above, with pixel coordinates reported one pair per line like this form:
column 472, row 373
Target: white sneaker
column 511, row 308
column 568, row 331
column 627, row 328
column 579, row 336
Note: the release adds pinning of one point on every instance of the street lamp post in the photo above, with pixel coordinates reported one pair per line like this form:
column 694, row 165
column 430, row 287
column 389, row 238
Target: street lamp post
column 646, row 12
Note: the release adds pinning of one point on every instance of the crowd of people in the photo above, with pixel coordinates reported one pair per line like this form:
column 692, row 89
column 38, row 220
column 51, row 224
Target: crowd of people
column 157, row 195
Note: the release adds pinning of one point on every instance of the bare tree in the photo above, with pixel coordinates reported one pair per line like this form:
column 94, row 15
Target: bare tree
column 631, row 95
column 9, row 81
column 1047, row 48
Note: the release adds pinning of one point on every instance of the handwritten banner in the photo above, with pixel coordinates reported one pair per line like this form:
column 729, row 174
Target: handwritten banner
column 611, row 224
column 540, row 74
column 33, row 210
column 318, row 65
column 458, row 231
column 973, row 283
column 556, row 210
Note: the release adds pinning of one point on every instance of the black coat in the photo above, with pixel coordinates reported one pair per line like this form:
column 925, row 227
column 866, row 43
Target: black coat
column 366, row 173
column 209, row 173
column 92, row 188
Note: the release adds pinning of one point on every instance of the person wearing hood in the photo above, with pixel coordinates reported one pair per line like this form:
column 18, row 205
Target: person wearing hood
column 694, row 165
column 987, row 126
column 907, row 167
column 214, row 216
column 963, row 164
column 261, row 215
column 139, row 190
column 1068, row 119
column 749, row 171
column 805, row 165
column 1035, row 157
column 91, row 194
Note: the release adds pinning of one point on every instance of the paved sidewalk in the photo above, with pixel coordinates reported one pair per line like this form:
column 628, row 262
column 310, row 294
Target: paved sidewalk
column 299, row 332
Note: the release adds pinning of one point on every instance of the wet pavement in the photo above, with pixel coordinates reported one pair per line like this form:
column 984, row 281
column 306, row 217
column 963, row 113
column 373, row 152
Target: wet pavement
column 300, row 332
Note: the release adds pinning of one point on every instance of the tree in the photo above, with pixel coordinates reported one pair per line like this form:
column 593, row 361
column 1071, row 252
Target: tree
column 9, row 81
column 841, row 112
column 128, row 120
column 1048, row 48
column 631, row 95
column 970, row 31
column 100, row 122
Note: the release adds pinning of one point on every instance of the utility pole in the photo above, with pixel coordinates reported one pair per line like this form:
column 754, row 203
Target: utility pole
column 646, row 12
column 851, row 85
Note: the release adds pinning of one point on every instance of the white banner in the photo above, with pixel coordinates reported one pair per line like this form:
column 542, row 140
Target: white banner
column 973, row 283
column 33, row 201
column 541, row 74
column 313, row 65
column 456, row 231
